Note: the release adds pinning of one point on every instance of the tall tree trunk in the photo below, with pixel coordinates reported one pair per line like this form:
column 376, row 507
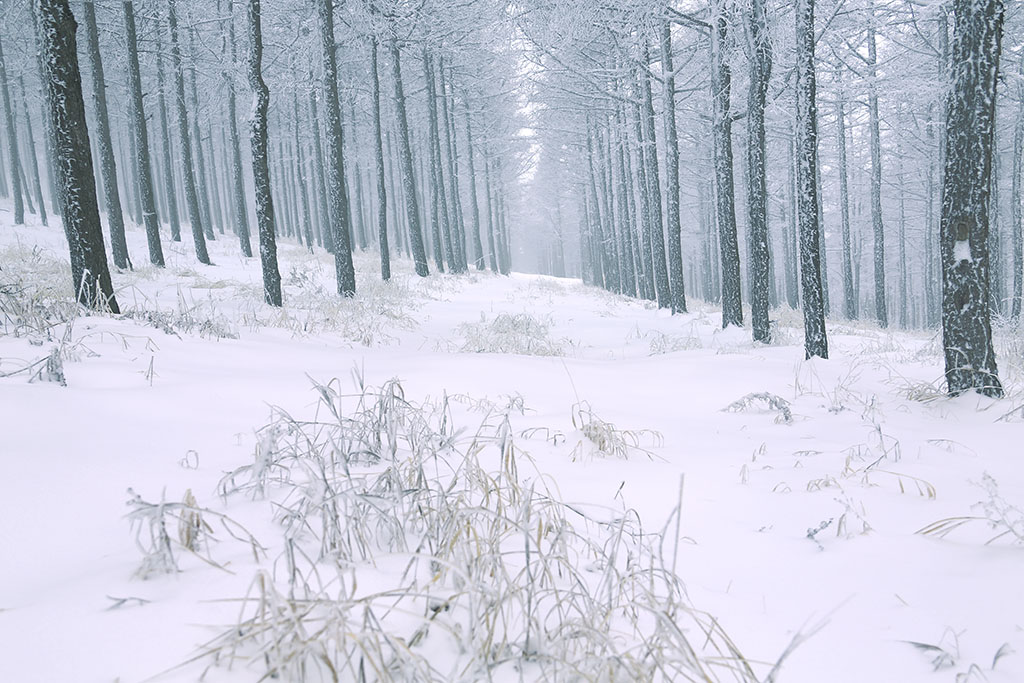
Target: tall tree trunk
column 191, row 194
column 382, row 192
column 439, row 203
column 238, row 184
column 338, row 197
column 89, row 271
column 1015, row 196
column 259, row 139
column 108, row 169
column 849, row 297
column 138, row 115
column 492, row 258
column 419, row 253
column 815, row 338
column 165, row 134
column 675, row 246
column 729, row 246
column 37, row 184
column 300, row 178
column 876, row 180
column 51, row 173
column 202, row 193
column 12, row 143
column 216, row 207
column 970, row 128
column 757, row 190
column 320, row 180
column 646, row 228
column 474, row 206
column 650, row 144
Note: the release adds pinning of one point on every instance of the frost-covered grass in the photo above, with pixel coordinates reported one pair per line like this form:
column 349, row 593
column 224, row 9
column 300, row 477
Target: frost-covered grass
column 661, row 485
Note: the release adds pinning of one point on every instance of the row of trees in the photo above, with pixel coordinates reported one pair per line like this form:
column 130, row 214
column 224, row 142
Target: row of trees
column 637, row 117
column 395, row 130
column 335, row 164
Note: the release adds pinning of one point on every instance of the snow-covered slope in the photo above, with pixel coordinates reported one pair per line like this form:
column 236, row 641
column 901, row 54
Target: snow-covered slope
column 791, row 524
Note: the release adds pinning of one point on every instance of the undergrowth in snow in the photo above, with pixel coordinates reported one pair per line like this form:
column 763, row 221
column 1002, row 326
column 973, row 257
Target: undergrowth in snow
column 565, row 485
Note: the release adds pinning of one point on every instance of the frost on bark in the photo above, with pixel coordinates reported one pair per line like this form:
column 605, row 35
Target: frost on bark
column 259, row 139
column 815, row 339
column 165, row 142
column 474, row 205
column 337, row 195
column 191, row 193
column 757, row 191
column 1015, row 196
column 12, row 144
column 108, row 169
column 849, row 296
column 876, row 182
column 732, row 309
column 649, row 144
column 443, row 249
column 419, row 252
column 237, row 184
column 675, row 247
column 963, row 239
column 378, row 148
column 66, row 109
column 36, row 180
column 138, row 115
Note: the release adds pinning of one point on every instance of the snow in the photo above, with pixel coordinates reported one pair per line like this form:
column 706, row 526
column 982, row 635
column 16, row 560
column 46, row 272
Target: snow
column 873, row 454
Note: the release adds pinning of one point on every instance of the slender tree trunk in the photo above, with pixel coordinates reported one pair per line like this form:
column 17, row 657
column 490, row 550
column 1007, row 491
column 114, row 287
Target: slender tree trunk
column 419, row 254
column 729, row 246
column 1015, row 196
column 815, row 338
column 338, row 197
column 881, row 312
column 138, row 115
column 108, row 169
column 12, row 143
column 382, row 193
column 474, row 207
column 675, row 253
column 849, row 297
column 51, row 173
column 757, row 189
column 441, row 229
column 37, row 185
column 970, row 128
column 216, row 207
column 191, row 194
column 169, row 185
column 320, row 180
column 238, row 184
column 89, row 271
column 259, row 139
column 646, row 227
column 492, row 258
column 662, row 283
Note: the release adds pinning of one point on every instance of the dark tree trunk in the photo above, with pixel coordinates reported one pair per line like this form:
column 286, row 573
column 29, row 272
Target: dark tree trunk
column 90, row 275
column 12, row 143
column 149, row 216
column 675, row 246
column 970, row 128
column 382, row 192
column 419, row 253
column 51, row 173
column 202, row 193
column 729, row 246
column 259, row 138
column 338, row 197
column 757, row 190
column 441, row 230
column 646, row 255
column 300, row 178
column 108, row 169
column 815, row 338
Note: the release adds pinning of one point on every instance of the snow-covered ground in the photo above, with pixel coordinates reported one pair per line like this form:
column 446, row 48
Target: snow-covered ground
column 800, row 531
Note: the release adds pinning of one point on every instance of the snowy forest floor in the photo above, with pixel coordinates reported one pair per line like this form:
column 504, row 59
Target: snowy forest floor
column 801, row 509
